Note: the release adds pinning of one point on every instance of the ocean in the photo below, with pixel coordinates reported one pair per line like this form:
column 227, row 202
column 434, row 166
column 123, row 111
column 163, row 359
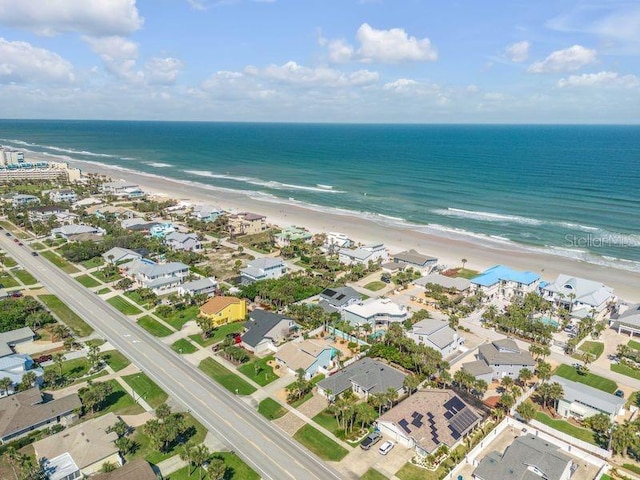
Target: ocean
column 572, row 191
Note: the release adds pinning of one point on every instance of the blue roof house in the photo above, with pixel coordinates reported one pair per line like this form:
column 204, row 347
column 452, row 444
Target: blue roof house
column 505, row 283
column 161, row 230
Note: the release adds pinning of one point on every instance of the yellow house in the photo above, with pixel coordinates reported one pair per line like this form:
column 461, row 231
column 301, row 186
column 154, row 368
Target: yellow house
column 221, row 310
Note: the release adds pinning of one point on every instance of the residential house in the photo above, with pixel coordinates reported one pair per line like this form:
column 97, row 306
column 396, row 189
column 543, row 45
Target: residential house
column 15, row 366
column 118, row 255
column 337, row 299
column 363, row 255
column 122, row 188
column 364, row 377
column 21, row 200
column 63, row 196
column 90, row 444
column 66, row 218
column 86, row 202
column 581, row 401
column 183, row 241
column 43, row 214
column 335, row 241
column 67, row 231
column 417, row 261
column 61, row 467
column 375, row 311
column 312, row 356
column 201, row 286
column 527, row 457
column 499, row 359
column 627, row 319
column 505, row 283
column 579, row 296
column 137, row 469
column 27, row 411
column 291, row 234
column 265, row 331
column 263, row 268
column 458, row 284
column 436, row 334
column 246, row 223
column 14, row 337
column 223, row 310
column 428, row 419
column 206, row 213
column 159, row 277
column 161, row 230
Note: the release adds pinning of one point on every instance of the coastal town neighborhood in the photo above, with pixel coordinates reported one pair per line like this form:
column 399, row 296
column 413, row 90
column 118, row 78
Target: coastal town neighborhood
column 384, row 364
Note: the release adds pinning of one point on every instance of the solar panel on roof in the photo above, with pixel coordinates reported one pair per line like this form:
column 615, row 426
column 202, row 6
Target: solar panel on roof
column 454, row 434
column 405, row 425
column 462, row 421
column 341, row 296
column 417, row 421
column 430, row 415
column 448, row 415
column 330, row 292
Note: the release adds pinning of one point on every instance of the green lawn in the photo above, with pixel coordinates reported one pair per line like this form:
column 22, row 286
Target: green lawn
column 72, row 369
column 137, row 299
column 59, row 262
column 300, row 401
column 102, row 291
column 196, row 433
column 595, row 381
column 124, row 306
column 236, row 469
column 146, row 388
column 95, row 342
column 626, row 370
column 99, row 274
column 467, row 273
column 226, row 377
column 25, row 277
column 120, row 402
column 413, row 472
column 218, row 334
column 373, row 474
column 94, row 262
column 7, row 280
column 9, row 262
column 154, row 327
column 116, row 360
column 38, row 246
column 179, row 317
column 264, row 374
column 88, row 281
column 270, row 409
column 375, row 285
column 66, row 315
column 633, row 344
column 320, row 444
column 183, row 346
column 565, row 427
column 594, row 348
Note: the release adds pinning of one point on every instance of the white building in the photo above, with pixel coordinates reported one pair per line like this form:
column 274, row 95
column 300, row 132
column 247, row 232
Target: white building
column 119, row 255
column 363, row 255
column 335, row 241
column 262, row 269
column 183, row 241
column 375, row 311
column 582, row 401
column 205, row 286
column 505, row 283
column 161, row 278
column 578, row 295
column 436, row 334
column 64, row 195
column 21, row 200
column 67, row 231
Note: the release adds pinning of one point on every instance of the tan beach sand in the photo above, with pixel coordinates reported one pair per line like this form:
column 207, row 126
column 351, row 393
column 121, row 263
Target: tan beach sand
column 449, row 251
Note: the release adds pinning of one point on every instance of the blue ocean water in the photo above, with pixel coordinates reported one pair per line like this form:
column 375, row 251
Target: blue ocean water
column 569, row 190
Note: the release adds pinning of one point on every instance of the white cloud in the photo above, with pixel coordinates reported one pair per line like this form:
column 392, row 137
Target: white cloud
column 567, row 60
column 321, row 76
column 90, row 17
column 600, row 79
column 518, row 52
column 118, row 55
column 610, row 21
column 393, row 46
column 163, row 71
column 21, row 62
column 400, row 85
column 340, row 51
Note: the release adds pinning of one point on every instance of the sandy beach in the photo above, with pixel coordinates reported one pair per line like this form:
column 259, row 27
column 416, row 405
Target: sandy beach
column 450, row 251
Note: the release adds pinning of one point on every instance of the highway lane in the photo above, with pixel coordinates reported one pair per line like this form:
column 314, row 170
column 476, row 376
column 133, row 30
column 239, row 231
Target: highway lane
column 269, row 451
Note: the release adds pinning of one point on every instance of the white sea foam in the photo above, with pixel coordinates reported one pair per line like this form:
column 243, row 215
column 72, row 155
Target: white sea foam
column 158, row 164
column 59, row 149
column 486, row 216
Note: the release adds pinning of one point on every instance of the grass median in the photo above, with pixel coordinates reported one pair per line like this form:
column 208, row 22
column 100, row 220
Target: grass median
column 226, row 377
column 320, row 444
column 124, row 306
column 66, row 315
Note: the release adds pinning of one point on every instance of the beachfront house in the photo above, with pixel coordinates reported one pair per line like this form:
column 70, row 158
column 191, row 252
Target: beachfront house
column 337, row 299
column 201, row 286
column 86, row 202
column 222, row 310
column 457, row 284
column 117, row 255
column 627, row 319
column 161, row 230
column 312, row 356
column 428, row 419
column 290, row 235
column 436, row 334
column 161, row 278
column 21, row 200
column 63, row 196
column 186, row 242
column 206, row 213
column 579, row 296
column 499, row 359
column 265, row 331
column 581, row 401
column 418, row 261
column 122, row 189
column 26, row 411
column 527, row 457
column 246, row 223
column 504, row 283
column 335, row 241
column 263, row 268
column 375, row 311
column 89, row 444
column 375, row 252
column 364, row 378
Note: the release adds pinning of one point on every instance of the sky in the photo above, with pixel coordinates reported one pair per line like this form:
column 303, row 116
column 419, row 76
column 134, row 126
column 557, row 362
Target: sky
column 368, row 61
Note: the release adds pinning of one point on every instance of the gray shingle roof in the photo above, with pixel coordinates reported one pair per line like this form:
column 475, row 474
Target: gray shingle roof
column 339, row 296
column 524, row 452
column 199, row 284
column 502, row 352
column 586, row 395
column 413, row 257
column 371, row 375
column 259, row 324
column 12, row 337
column 477, row 368
column 437, row 331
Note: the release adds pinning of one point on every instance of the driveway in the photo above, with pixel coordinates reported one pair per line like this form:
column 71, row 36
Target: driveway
column 358, row 461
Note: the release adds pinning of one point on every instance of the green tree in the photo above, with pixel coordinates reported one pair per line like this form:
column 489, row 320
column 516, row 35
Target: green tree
column 163, row 411
column 28, row 380
column 5, row 385
column 107, row 467
column 506, row 401
column 216, row 469
column 506, row 382
column 94, row 395
column 94, row 357
column 526, row 410
column 58, row 361
column 623, row 437
column 524, row 376
column 411, row 383
column 543, row 371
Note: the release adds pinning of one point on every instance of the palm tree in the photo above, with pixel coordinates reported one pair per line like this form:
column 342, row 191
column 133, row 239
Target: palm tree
column 58, row 360
column 524, row 376
column 391, row 395
column 464, row 262
column 377, row 400
column 5, row 385
column 526, row 410
column 556, row 392
column 410, row 383
column 13, row 458
column 163, row 411
column 199, row 456
column 543, row 370
column 623, row 436
column 216, row 469
column 28, row 381
column 506, row 382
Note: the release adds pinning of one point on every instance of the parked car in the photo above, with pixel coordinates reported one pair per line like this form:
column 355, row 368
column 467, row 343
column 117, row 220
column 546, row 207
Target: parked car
column 43, row 358
column 16, row 294
column 619, row 393
column 370, row 440
column 34, row 254
column 16, row 240
column 20, row 244
column 7, row 234
column 385, row 448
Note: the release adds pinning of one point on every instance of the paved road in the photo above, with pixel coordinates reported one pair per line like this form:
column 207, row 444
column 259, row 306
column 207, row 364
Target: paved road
column 271, row 453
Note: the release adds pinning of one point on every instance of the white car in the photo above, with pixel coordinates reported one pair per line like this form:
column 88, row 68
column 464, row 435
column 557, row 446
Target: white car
column 385, row 448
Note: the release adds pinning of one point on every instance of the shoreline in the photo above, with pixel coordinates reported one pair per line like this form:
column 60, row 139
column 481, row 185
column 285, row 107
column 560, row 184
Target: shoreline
column 450, row 251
